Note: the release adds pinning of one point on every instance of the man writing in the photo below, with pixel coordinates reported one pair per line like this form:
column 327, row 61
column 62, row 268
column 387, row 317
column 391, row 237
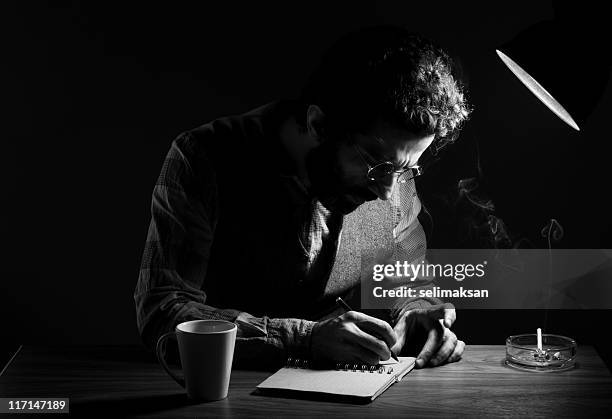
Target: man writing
column 251, row 214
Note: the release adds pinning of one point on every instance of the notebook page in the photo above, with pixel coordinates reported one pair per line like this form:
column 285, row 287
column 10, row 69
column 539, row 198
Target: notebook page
column 340, row 382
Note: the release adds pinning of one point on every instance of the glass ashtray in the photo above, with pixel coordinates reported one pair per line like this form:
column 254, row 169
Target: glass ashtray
column 558, row 353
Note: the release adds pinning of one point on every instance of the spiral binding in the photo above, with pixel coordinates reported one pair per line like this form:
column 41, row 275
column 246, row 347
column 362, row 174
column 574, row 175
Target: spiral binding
column 341, row 366
column 381, row 369
column 297, row 363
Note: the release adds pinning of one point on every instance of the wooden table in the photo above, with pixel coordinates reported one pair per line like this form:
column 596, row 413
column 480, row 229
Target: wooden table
column 125, row 380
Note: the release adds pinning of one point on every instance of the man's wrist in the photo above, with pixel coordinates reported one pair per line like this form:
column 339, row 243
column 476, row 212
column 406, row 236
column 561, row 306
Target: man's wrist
column 295, row 335
column 310, row 336
column 303, row 346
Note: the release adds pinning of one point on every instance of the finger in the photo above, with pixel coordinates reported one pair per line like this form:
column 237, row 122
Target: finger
column 371, row 343
column 449, row 342
column 445, row 312
column 409, row 322
column 438, row 311
column 450, row 315
column 361, row 355
column 433, row 342
column 458, row 352
column 400, row 332
column 347, row 351
column 375, row 327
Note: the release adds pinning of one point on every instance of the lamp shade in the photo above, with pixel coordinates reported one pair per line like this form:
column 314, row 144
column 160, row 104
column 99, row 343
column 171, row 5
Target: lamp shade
column 566, row 67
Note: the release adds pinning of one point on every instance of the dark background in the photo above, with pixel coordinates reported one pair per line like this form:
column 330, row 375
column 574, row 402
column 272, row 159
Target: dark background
column 93, row 96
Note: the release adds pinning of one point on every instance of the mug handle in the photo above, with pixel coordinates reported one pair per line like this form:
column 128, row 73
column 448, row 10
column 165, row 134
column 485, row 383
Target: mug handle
column 160, row 357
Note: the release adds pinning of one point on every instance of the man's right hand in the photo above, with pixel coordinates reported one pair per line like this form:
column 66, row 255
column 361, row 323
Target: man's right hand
column 352, row 337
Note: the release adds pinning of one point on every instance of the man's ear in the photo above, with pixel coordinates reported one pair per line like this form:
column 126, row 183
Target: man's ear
column 315, row 123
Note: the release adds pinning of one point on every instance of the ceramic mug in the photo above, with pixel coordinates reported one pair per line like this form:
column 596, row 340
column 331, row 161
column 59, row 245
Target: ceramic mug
column 206, row 349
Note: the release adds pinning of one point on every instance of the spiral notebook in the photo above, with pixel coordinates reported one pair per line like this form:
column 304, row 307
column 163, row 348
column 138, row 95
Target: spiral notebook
column 354, row 382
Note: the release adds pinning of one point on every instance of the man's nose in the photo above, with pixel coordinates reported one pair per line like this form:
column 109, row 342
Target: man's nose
column 384, row 187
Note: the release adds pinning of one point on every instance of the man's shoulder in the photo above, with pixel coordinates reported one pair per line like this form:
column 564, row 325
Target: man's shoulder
column 235, row 140
column 249, row 126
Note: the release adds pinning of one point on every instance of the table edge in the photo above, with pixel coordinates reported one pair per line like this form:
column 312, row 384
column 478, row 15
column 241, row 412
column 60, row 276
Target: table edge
column 11, row 360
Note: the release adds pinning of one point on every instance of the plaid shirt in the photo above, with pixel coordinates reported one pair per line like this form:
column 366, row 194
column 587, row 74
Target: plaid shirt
column 232, row 227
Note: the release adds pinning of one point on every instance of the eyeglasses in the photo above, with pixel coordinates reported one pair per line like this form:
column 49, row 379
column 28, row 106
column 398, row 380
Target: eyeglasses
column 381, row 170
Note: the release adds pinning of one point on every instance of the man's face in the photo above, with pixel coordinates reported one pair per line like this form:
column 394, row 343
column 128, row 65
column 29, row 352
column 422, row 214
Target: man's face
column 338, row 167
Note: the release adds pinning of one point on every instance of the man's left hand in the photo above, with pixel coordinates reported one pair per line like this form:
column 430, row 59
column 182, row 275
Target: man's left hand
column 441, row 345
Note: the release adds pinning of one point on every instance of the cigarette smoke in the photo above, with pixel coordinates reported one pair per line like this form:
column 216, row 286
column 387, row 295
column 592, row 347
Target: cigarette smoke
column 480, row 223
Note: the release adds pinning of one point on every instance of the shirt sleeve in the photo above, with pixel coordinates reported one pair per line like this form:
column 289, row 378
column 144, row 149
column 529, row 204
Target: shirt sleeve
column 175, row 259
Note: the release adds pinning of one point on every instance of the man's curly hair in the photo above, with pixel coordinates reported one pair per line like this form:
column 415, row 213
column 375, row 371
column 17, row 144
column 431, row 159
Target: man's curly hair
column 390, row 73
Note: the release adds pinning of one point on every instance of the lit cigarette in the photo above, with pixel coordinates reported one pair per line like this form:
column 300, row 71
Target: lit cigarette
column 539, row 339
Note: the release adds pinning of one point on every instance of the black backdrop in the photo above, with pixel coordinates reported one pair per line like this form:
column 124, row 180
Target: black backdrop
column 95, row 94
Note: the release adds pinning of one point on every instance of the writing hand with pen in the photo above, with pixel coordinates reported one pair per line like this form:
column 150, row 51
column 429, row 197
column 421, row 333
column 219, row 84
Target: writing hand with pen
column 352, row 337
column 357, row 337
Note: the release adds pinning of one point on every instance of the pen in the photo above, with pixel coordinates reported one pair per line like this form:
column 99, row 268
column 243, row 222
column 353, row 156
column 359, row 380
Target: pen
column 346, row 307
